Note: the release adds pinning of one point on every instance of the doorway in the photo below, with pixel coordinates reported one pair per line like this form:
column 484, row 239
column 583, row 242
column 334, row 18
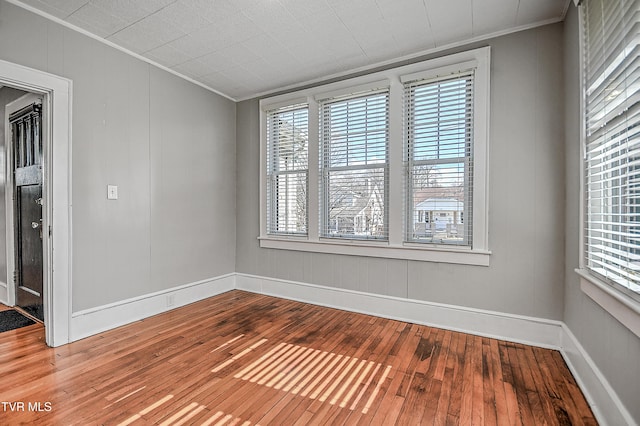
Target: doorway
column 24, row 146
column 47, row 197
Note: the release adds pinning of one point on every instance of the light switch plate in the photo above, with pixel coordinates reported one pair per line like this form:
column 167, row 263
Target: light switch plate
column 112, row 192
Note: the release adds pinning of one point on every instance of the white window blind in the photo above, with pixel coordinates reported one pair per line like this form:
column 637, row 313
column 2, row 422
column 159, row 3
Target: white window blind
column 287, row 170
column 354, row 133
column 612, row 150
column 439, row 132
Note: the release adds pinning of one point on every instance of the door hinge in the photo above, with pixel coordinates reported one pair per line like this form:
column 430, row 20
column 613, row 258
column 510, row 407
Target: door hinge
column 50, row 230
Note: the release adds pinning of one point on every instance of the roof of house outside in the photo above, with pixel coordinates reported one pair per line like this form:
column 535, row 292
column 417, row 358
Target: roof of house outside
column 441, row 204
column 360, row 203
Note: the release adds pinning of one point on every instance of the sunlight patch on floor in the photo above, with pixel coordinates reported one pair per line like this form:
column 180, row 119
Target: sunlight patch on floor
column 145, row 411
column 316, row 374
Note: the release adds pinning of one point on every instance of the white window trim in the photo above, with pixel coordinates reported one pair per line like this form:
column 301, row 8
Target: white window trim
column 619, row 305
column 395, row 247
column 622, row 307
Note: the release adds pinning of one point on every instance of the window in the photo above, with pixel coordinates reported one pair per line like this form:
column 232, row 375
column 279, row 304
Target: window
column 287, row 170
column 354, row 135
column 612, row 143
column 439, row 133
column 390, row 164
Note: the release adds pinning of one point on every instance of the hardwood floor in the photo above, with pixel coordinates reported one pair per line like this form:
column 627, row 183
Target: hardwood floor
column 247, row 359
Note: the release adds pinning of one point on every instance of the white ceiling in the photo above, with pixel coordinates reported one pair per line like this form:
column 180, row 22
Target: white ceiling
column 245, row 48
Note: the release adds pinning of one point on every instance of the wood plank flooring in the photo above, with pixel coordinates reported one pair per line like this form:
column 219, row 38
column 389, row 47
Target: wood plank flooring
column 246, row 359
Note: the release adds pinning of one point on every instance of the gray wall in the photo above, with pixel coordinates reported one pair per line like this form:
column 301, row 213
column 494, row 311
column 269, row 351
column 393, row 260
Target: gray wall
column 526, row 221
column 7, row 95
column 169, row 146
column 614, row 349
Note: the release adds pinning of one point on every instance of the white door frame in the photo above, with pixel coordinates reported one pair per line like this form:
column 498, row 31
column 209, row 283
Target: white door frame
column 56, row 192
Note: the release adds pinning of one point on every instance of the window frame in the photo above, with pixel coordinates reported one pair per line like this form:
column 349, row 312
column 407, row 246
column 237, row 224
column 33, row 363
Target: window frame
column 326, row 168
column 273, row 173
column 620, row 302
column 412, row 83
column 396, row 247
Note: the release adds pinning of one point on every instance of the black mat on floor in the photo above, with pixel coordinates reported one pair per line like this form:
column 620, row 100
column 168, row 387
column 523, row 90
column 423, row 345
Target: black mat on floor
column 10, row 320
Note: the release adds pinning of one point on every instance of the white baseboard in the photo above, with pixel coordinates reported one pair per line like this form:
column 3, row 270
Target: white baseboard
column 604, row 401
column 515, row 328
column 102, row 318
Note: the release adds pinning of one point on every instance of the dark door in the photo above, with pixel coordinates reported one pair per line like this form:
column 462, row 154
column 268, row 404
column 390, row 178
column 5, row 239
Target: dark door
column 26, row 135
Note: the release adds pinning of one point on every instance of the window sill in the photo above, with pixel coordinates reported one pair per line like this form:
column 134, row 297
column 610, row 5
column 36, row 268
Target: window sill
column 621, row 307
column 380, row 249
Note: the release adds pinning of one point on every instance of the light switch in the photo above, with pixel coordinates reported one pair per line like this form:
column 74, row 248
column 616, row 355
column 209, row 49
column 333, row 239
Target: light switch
column 112, row 192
